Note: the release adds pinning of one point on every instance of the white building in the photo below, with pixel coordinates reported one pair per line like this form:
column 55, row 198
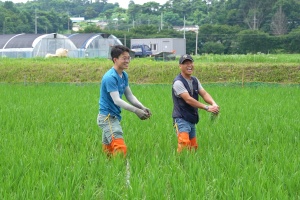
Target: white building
column 158, row 45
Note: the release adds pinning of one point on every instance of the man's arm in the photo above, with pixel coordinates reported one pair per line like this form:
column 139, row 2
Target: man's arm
column 123, row 104
column 120, row 102
column 134, row 101
column 191, row 101
column 206, row 97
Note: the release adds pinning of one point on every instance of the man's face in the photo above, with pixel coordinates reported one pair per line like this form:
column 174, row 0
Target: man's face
column 123, row 60
column 187, row 67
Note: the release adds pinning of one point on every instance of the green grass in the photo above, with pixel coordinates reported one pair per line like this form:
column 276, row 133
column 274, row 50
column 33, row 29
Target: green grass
column 50, row 145
column 250, row 58
column 270, row 68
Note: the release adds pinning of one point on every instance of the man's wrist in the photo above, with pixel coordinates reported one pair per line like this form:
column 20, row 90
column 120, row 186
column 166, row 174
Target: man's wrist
column 206, row 107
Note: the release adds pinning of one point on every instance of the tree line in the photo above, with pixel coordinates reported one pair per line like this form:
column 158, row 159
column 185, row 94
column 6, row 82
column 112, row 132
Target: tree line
column 225, row 26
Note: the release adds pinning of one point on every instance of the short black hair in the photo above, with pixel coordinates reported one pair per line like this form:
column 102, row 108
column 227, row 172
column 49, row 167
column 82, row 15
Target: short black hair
column 117, row 50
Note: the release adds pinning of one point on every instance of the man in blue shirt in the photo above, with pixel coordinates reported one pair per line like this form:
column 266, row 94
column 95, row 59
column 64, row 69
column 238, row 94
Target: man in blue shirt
column 114, row 84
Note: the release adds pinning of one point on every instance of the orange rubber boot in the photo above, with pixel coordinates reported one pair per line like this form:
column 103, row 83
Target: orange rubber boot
column 119, row 146
column 183, row 141
column 193, row 144
column 107, row 149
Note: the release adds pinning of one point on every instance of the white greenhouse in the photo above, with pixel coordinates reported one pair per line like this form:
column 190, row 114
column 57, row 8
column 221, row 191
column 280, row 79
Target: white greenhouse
column 85, row 45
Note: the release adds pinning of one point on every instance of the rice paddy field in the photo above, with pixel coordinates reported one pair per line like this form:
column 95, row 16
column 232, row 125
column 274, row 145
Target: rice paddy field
column 50, row 145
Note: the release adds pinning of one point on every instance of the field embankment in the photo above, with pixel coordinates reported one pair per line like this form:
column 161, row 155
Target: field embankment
column 209, row 68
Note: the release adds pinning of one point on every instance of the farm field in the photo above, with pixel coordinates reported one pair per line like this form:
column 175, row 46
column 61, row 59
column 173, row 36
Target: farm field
column 51, row 145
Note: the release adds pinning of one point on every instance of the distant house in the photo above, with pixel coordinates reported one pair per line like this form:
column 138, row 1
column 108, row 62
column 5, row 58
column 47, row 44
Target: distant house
column 158, row 45
column 186, row 28
column 76, row 19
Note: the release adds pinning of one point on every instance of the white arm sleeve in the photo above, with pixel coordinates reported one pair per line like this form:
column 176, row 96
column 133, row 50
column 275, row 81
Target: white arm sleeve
column 120, row 102
column 131, row 98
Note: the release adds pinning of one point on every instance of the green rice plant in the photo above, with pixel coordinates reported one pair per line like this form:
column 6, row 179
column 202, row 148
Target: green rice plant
column 51, row 146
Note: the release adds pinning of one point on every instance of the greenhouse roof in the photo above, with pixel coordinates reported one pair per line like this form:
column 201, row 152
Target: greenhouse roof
column 17, row 40
column 81, row 39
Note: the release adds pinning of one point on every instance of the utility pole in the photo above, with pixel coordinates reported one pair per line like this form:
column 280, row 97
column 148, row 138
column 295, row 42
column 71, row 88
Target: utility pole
column 184, row 26
column 161, row 21
column 4, row 25
column 197, row 31
column 35, row 21
column 254, row 21
column 68, row 23
column 125, row 40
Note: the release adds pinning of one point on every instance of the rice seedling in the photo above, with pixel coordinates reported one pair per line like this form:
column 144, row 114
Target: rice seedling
column 51, row 146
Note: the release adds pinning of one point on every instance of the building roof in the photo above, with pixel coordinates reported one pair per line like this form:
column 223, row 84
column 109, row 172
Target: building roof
column 17, row 40
column 76, row 19
column 22, row 41
column 81, row 40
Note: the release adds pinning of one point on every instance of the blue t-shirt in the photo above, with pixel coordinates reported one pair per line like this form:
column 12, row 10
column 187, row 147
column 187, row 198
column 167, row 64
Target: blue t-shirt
column 112, row 82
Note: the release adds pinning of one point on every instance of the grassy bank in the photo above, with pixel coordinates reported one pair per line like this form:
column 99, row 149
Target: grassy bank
column 209, row 68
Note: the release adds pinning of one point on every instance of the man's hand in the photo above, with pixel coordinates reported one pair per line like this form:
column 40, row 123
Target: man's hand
column 141, row 114
column 214, row 109
column 147, row 110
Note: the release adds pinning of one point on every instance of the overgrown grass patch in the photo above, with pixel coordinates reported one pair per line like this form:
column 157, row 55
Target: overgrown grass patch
column 210, row 68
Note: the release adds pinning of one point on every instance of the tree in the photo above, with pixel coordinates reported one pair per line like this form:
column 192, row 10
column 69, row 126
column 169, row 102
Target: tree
column 279, row 23
column 151, row 8
column 255, row 12
column 223, row 34
column 133, row 11
column 90, row 12
column 291, row 39
column 213, row 47
column 254, row 41
column 291, row 10
column 172, row 18
column 108, row 13
column 144, row 30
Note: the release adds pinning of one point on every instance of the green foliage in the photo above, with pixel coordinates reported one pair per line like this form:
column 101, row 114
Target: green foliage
column 219, row 21
column 213, row 47
column 210, row 68
column 291, row 40
column 224, row 34
column 252, row 41
column 92, row 28
column 172, row 18
column 145, row 30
